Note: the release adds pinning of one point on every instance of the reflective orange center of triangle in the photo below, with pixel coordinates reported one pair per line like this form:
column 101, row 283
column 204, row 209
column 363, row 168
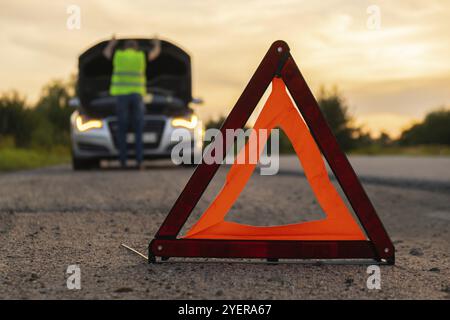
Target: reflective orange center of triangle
column 339, row 223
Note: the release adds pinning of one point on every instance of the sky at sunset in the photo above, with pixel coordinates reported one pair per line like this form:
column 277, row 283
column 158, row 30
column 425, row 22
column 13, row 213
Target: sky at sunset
column 390, row 74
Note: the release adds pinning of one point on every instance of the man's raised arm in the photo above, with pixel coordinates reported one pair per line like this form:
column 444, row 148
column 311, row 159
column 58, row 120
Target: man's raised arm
column 108, row 51
column 156, row 50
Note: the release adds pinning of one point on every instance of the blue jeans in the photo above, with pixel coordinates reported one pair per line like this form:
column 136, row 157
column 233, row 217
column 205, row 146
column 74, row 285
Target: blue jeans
column 130, row 108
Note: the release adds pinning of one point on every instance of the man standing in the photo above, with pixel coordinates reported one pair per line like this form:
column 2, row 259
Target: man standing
column 128, row 84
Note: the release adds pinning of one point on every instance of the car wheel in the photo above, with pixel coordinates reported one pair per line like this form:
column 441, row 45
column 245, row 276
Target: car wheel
column 85, row 164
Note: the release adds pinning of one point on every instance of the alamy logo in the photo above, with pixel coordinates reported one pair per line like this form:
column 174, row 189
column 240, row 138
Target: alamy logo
column 74, row 279
column 374, row 279
column 374, row 19
column 229, row 149
column 73, row 21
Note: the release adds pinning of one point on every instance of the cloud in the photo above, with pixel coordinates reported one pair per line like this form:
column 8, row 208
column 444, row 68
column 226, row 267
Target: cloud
column 385, row 122
column 402, row 68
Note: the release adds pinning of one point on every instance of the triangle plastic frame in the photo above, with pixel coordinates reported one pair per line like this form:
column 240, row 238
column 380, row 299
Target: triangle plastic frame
column 277, row 62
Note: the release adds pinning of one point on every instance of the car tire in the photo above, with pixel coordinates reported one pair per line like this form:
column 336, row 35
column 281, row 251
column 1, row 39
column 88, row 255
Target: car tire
column 85, row 164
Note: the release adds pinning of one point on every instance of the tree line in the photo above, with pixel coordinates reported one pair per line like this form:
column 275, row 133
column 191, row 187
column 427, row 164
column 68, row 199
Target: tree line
column 45, row 124
column 434, row 129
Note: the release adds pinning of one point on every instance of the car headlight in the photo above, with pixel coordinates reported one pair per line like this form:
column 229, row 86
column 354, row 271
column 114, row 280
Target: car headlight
column 185, row 123
column 84, row 123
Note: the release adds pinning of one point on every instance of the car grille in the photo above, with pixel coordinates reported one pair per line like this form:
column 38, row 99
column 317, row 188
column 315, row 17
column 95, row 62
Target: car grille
column 90, row 147
column 150, row 125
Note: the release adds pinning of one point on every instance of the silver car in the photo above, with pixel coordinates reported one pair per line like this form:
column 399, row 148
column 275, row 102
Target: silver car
column 94, row 123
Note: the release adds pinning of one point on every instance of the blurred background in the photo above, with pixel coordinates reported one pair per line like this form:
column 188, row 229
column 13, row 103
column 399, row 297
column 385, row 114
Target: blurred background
column 379, row 69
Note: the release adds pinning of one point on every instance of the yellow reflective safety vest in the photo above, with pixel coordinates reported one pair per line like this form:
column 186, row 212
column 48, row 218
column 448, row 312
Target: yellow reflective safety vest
column 128, row 72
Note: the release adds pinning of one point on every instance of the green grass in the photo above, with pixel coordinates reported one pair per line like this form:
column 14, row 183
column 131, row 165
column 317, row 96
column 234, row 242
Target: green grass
column 12, row 159
column 423, row 150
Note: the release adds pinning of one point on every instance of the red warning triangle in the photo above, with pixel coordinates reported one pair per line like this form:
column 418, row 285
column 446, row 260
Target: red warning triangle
column 336, row 237
column 279, row 111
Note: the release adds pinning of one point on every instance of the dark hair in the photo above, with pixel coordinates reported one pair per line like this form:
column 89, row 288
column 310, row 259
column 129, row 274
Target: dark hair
column 131, row 44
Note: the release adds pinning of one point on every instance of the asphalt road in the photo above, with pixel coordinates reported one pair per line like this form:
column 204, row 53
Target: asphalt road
column 52, row 218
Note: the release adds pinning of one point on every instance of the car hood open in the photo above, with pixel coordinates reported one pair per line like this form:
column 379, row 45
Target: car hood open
column 168, row 78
